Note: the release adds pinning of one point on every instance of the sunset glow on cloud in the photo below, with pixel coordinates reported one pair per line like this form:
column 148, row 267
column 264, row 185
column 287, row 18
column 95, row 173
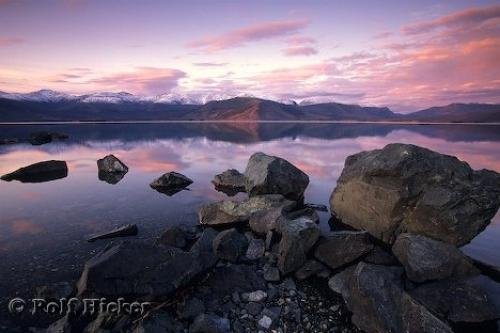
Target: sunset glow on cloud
column 405, row 56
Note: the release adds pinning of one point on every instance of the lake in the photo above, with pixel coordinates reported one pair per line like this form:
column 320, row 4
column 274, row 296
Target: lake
column 44, row 226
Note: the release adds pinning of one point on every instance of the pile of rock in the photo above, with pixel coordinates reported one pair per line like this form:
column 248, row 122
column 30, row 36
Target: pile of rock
column 248, row 265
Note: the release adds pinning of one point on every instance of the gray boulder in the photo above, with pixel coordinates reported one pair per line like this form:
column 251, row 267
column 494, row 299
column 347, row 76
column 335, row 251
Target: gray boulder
column 231, row 212
column 343, row 247
column 467, row 300
column 39, row 172
column 427, row 259
column 170, row 183
column 265, row 221
column 111, row 164
column 230, row 182
column 297, row 238
column 141, row 268
column 230, row 245
column 375, row 296
column 406, row 188
column 273, row 175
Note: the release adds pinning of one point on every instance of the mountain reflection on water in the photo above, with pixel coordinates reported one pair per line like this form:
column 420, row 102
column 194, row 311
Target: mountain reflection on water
column 43, row 226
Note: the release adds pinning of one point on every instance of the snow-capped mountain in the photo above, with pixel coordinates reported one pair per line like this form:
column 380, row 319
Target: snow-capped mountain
column 109, row 97
column 43, row 95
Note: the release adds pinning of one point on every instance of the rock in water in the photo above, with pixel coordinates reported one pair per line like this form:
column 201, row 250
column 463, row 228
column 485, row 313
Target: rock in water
column 123, row 231
column 39, row 172
column 174, row 236
column 40, row 138
column 427, row 259
column 342, row 247
column 297, row 238
column 230, row 182
column 273, row 175
column 375, row 296
column 143, row 269
column 171, row 183
column 230, row 245
column 467, row 300
column 230, row 212
column 406, row 188
column 111, row 164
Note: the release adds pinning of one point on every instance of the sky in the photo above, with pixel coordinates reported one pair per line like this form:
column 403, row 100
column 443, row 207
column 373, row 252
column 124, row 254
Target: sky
column 407, row 55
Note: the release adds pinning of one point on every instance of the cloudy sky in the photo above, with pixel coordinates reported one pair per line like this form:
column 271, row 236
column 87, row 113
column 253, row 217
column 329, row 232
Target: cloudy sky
column 405, row 55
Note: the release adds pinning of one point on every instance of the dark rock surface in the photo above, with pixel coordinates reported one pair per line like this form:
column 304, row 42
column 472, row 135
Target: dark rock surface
column 298, row 236
column 230, row 182
column 174, row 236
column 468, row 300
column 231, row 212
column 342, row 247
column 40, row 138
column 406, row 188
column 273, row 175
column 39, row 172
column 123, row 231
column 311, row 268
column 171, row 183
column 256, row 249
column 230, row 245
column 111, row 169
column 206, row 323
column 427, row 259
column 378, row 302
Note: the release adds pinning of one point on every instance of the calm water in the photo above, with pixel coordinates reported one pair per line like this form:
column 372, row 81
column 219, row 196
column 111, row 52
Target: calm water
column 43, row 226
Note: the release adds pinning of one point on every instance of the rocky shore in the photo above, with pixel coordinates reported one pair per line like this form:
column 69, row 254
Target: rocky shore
column 262, row 264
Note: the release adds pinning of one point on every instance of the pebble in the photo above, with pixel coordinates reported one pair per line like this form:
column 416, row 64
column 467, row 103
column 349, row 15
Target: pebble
column 265, row 322
column 257, row 296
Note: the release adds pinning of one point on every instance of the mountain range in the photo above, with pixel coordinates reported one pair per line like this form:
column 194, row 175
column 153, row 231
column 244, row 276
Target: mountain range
column 48, row 105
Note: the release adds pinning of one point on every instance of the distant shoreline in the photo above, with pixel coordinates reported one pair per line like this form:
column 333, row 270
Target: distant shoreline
column 104, row 122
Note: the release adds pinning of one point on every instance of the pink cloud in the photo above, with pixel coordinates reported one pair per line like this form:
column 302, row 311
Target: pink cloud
column 9, row 41
column 300, row 40
column 256, row 32
column 300, row 51
column 145, row 80
column 462, row 18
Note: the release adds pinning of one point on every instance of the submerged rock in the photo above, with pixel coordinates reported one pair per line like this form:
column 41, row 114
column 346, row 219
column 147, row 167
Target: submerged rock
column 141, row 268
column 39, row 172
column 427, row 259
column 406, row 188
column 230, row 212
column 230, row 182
column 123, row 231
column 342, row 247
column 375, row 296
column 230, row 245
column 171, row 183
column 467, row 300
column 40, row 138
column 297, row 238
column 174, row 236
column 273, row 175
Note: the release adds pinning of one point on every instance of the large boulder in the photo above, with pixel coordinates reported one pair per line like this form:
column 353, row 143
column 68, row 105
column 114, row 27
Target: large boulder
column 142, row 268
column 428, row 259
column 467, row 300
column 375, row 296
column 273, row 175
column 170, row 183
column 406, row 188
column 39, row 172
column 298, row 236
column 342, row 247
column 230, row 182
column 230, row 245
column 230, row 212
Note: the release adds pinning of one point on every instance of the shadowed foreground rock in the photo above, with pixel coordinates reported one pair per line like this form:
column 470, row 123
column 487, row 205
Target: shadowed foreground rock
column 141, row 268
column 379, row 304
column 273, row 175
column 406, row 188
column 427, row 259
column 39, row 172
column 170, row 183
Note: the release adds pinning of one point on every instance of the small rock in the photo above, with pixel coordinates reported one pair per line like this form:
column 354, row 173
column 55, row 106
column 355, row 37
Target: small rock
column 256, row 249
column 111, row 164
column 230, row 182
column 254, row 308
column 174, row 236
column 271, row 273
column 265, row 322
column 257, row 296
column 40, row 138
column 39, row 172
column 123, row 231
column 171, row 183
